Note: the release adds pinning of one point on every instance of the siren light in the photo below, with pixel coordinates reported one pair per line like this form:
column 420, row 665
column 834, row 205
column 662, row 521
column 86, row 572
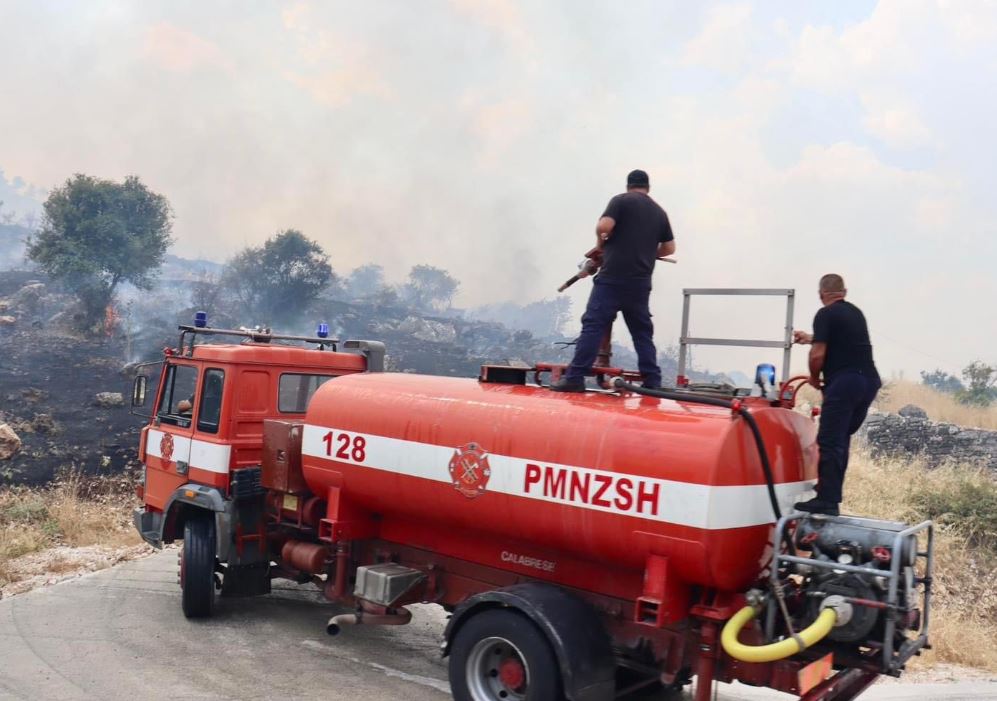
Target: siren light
column 323, row 331
column 765, row 378
column 200, row 320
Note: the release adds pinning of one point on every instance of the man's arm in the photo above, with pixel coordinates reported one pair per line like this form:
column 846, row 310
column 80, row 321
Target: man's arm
column 818, row 344
column 603, row 230
column 818, row 353
column 607, row 222
column 666, row 239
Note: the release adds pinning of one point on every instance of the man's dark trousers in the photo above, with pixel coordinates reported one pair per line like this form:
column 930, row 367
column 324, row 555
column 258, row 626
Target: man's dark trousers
column 847, row 397
column 609, row 297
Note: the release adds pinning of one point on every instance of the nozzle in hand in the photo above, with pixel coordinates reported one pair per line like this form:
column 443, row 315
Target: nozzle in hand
column 589, row 266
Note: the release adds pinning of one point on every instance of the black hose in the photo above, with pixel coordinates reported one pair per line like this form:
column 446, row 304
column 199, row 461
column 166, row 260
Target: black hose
column 725, row 404
column 764, row 455
column 671, row 394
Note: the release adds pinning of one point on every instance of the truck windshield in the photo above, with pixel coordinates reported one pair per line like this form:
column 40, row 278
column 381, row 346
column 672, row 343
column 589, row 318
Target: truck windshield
column 296, row 391
column 176, row 405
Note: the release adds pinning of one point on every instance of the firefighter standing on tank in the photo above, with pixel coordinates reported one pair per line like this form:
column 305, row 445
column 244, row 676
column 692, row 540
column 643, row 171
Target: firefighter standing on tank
column 842, row 352
column 632, row 234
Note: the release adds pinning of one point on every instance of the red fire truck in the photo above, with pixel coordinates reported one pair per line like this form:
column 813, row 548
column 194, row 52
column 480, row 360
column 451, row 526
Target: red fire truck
column 585, row 544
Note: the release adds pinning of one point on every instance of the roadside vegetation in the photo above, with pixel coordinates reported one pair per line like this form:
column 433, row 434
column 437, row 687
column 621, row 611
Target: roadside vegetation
column 939, row 405
column 962, row 500
column 73, row 512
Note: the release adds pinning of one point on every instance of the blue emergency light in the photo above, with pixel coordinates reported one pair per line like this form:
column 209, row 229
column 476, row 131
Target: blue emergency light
column 765, row 376
column 200, row 320
column 323, row 331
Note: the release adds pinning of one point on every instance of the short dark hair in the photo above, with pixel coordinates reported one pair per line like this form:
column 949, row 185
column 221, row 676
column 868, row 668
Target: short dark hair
column 638, row 178
column 832, row 283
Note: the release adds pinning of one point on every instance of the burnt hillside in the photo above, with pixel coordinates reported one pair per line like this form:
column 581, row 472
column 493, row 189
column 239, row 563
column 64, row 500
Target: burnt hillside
column 49, row 386
column 53, row 380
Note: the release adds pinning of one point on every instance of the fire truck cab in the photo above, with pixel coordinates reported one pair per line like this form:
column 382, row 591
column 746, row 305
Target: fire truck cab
column 203, row 445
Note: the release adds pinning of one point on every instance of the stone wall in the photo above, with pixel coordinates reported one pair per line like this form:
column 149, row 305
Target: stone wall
column 911, row 433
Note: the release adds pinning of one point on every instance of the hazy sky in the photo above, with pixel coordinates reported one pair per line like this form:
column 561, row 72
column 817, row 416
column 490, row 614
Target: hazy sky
column 785, row 140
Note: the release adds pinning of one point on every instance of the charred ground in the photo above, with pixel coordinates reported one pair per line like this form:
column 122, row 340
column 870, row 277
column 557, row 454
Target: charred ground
column 51, row 376
column 49, row 386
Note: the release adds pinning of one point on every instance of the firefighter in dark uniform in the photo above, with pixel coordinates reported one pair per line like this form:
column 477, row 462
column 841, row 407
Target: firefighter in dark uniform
column 632, row 233
column 842, row 352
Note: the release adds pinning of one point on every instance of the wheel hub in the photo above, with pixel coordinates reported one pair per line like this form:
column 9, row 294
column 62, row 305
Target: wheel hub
column 512, row 673
column 496, row 671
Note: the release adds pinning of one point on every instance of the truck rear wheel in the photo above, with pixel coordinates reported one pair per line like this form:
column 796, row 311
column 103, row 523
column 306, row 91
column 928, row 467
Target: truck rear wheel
column 197, row 566
column 500, row 655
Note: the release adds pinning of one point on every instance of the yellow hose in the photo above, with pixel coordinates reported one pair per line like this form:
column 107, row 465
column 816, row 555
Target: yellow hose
column 775, row 651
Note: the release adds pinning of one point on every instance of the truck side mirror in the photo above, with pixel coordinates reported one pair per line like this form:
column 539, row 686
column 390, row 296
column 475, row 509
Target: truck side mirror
column 139, row 390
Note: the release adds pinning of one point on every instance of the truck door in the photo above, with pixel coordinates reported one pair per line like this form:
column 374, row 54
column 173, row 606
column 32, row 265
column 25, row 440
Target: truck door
column 211, row 450
column 168, row 440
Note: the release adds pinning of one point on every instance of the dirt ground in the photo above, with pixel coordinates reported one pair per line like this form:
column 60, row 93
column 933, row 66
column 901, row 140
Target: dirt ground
column 58, row 564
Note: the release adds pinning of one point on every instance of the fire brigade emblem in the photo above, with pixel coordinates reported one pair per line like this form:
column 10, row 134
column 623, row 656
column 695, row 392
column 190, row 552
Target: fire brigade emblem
column 166, row 447
column 469, row 470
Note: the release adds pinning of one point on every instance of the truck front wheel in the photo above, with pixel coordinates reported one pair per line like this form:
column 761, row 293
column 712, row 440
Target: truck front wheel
column 500, row 655
column 197, row 565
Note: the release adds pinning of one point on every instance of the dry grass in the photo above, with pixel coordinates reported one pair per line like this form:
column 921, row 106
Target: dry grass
column 75, row 511
column 939, row 406
column 963, row 502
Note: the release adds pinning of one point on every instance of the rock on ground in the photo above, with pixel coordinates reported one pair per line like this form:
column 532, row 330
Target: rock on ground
column 107, row 400
column 428, row 329
column 62, row 562
column 44, row 423
column 10, row 443
column 912, row 411
column 27, row 299
column 908, row 433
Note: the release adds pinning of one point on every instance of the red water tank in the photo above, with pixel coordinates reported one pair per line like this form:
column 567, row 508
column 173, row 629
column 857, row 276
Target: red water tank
column 557, row 486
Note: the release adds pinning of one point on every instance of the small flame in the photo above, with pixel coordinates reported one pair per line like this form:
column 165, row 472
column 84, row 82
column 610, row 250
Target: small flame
column 111, row 319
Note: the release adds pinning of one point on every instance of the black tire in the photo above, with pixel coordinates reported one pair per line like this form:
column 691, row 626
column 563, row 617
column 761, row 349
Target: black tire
column 197, row 566
column 487, row 644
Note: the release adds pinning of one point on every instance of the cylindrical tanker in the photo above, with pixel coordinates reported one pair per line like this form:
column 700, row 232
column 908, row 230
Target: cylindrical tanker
column 535, row 478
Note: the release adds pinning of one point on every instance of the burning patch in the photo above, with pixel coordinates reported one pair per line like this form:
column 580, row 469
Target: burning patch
column 166, row 447
column 469, row 470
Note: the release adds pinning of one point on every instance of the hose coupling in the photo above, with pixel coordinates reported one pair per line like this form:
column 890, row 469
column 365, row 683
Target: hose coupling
column 840, row 606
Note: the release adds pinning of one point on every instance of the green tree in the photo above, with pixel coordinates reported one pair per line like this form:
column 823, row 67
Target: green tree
column 280, row 279
column 96, row 234
column 981, row 384
column 430, row 288
column 365, row 281
column 942, row 381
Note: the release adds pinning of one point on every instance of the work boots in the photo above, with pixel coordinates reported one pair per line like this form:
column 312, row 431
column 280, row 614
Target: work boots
column 817, row 506
column 566, row 384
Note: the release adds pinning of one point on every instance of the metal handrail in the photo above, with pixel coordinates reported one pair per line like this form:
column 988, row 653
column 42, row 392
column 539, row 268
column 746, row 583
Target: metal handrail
column 685, row 340
column 255, row 335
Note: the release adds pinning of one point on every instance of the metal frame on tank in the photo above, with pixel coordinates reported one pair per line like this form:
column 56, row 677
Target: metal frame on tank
column 893, row 657
column 685, row 340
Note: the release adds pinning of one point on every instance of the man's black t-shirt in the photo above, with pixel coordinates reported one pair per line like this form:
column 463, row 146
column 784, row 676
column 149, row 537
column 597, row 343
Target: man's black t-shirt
column 632, row 248
column 842, row 327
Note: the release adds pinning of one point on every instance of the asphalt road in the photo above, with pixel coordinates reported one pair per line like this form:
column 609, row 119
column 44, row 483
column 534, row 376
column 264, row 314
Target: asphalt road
column 119, row 634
